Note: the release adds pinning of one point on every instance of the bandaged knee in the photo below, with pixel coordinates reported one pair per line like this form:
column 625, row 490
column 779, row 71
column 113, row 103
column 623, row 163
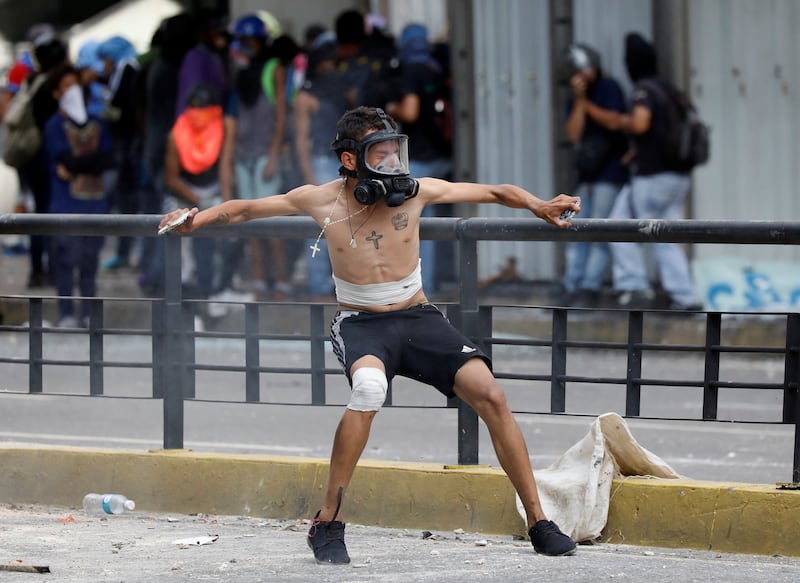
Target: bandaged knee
column 369, row 389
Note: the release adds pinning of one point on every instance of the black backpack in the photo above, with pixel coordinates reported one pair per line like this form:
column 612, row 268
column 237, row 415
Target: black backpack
column 686, row 139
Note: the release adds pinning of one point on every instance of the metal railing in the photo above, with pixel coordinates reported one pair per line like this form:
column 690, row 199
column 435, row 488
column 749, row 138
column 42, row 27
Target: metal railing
column 174, row 338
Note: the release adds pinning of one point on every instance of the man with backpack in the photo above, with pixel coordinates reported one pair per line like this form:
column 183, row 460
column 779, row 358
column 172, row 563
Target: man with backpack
column 659, row 185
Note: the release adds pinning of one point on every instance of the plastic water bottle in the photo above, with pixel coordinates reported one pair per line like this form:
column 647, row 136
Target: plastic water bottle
column 107, row 504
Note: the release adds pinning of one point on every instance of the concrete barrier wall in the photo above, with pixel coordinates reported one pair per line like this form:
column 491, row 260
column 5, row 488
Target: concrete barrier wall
column 744, row 518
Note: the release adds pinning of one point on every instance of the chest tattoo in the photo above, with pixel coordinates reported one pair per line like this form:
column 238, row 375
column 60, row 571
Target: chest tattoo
column 375, row 238
column 400, row 221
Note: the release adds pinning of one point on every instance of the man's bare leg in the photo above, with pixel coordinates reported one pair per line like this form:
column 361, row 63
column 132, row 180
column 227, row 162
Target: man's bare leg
column 476, row 385
column 348, row 444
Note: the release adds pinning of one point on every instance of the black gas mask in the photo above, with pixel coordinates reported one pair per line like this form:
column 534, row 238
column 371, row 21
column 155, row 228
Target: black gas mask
column 381, row 166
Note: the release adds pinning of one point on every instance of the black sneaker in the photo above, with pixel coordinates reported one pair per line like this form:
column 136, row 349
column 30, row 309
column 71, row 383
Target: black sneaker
column 638, row 299
column 326, row 539
column 547, row 539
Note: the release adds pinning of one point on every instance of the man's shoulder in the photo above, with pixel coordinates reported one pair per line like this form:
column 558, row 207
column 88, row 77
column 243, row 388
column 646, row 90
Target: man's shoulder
column 311, row 196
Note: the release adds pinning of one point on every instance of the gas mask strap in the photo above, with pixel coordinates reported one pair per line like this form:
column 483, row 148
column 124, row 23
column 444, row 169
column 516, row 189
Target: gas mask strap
column 384, row 119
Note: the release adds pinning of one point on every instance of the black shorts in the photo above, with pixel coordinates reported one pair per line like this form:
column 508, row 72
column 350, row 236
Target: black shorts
column 418, row 343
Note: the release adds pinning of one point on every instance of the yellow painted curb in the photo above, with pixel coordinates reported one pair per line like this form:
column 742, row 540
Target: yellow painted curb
column 742, row 518
column 728, row 517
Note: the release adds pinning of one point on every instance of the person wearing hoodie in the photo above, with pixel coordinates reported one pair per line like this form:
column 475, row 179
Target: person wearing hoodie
column 656, row 191
column 120, row 72
column 79, row 149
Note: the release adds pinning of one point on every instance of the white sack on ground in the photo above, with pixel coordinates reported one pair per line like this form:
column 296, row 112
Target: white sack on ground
column 575, row 490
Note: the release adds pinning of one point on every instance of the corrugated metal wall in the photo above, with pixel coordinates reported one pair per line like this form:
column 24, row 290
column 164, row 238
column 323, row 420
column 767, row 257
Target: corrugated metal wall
column 745, row 78
column 513, row 117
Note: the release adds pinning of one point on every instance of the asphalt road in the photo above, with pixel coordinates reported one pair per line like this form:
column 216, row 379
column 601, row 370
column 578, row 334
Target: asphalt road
column 142, row 547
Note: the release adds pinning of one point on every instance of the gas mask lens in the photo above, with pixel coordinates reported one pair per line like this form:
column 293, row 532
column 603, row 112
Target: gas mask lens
column 388, row 157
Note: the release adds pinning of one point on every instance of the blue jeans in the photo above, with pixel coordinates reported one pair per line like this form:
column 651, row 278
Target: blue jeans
column 71, row 254
column 587, row 262
column 660, row 196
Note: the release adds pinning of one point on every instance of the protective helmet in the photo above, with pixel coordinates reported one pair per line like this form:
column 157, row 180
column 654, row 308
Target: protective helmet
column 250, row 25
column 579, row 57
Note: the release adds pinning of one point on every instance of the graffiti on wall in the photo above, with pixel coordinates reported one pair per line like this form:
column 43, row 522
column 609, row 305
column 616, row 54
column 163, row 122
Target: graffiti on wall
column 731, row 284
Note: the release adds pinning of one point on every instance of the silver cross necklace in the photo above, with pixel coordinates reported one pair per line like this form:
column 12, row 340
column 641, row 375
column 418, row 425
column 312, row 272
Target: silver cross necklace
column 328, row 222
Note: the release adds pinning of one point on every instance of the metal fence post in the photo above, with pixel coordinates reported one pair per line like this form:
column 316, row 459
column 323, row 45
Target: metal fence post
column 791, row 382
column 318, row 354
column 468, row 308
column 96, row 348
column 35, row 352
column 558, row 362
column 711, row 373
column 633, row 393
column 173, row 390
column 252, row 354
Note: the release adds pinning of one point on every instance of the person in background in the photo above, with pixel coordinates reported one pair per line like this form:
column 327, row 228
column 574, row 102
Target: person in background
column 49, row 52
column 260, row 115
column 160, row 92
column 78, row 150
column 656, row 191
column 91, row 69
column 354, row 63
column 420, row 91
column 598, row 161
column 205, row 62
column 120, row 72
column 319, row 105
column 198, row 170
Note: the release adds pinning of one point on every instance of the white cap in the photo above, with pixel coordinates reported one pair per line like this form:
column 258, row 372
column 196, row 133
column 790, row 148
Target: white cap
column 130, row 504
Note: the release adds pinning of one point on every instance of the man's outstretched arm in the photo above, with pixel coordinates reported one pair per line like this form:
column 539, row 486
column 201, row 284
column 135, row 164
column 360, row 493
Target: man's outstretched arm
column 238, row 211
column 436, row 191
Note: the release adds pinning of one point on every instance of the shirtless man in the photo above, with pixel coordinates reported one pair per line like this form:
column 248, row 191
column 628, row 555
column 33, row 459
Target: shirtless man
column 370, row 218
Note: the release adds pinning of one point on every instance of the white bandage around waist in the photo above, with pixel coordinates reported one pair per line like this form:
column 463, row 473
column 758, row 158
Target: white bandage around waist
column 369, row 389
column 379, row 294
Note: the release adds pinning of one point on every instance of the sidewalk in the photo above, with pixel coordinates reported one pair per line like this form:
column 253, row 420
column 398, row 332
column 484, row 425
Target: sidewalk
column 140, row 547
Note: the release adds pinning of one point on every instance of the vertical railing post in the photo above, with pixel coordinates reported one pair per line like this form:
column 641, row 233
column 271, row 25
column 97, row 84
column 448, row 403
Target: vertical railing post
column 158, row 327
column 252, row 354
column 95, row 347
column 711, row 369
column 317, row 329
column 35, row 351
column 558, row 362
column 174, row 377
column 633, row 392
column 468, row 307
column 791, row 383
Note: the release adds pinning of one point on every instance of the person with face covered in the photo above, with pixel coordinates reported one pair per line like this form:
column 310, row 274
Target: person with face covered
column 599, row 154
column 79, row 149
column 198, row 170
column 385, row 325
column 656, row 189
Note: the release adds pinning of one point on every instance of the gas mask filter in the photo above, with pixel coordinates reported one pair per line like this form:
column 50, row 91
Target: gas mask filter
column 381, row 166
